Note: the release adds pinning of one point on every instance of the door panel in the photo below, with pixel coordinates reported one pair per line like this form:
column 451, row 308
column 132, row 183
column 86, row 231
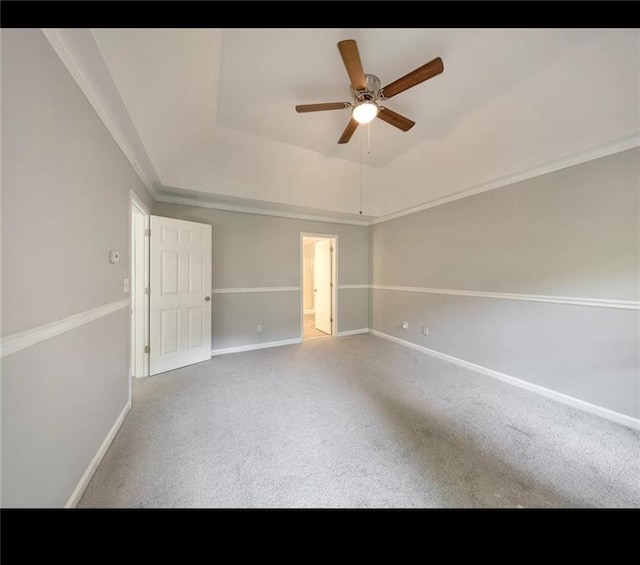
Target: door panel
column 170, row 331
column 169, row 272
column 196, row 269
column 180, row 307
column 322, row 285
column 196, row 330
column 170, row 234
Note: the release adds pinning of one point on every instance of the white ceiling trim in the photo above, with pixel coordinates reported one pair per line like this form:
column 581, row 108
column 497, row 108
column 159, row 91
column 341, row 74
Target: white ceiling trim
column 186, row 201
column 549, row 167
column 611, row 148
column 67, row 54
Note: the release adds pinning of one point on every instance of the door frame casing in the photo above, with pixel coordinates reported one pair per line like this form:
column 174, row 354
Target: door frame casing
column 334, row 280
column 139, row 357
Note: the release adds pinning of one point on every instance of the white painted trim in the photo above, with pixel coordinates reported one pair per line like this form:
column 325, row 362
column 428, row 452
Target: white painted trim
column 582, row 157
column 68, row 57
column 186, row 201
column 353, row 332
column 68, row 54
column 65, row 52
column 17, row 342
column 139, row 206
column 314, row 234
column 571, row 300
column 77, row 493
column 575, row 301
column 542, row 391
column 309, row 311
column 137, row 201
column 255, row 289
column 251, row 347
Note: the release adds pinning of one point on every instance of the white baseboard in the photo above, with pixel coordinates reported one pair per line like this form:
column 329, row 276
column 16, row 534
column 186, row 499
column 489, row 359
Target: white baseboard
column 309, row 311
column 253, row 346
column 77, row 493
column 353, row 332
column 543, row 391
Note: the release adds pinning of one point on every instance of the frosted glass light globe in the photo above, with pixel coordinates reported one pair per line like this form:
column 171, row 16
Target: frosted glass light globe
column 365, row 112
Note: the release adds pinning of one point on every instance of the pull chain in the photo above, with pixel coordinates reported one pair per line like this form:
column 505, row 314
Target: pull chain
column 361, row 176
column 362, row 163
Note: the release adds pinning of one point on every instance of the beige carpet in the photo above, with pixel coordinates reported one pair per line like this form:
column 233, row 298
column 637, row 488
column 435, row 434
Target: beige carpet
column 310, row 327
column 357, row 422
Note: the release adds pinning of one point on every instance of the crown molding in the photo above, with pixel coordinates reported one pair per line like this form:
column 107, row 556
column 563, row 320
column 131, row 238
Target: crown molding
column 186, row 201
column 604, row 150
column 68, row 55
column 610, row 148
column 65, row 49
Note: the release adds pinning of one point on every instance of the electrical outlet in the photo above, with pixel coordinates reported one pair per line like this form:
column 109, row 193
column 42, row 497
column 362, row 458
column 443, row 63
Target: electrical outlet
column 259, row 328
column 125, row 285
column 405, row 325
column 425, row 330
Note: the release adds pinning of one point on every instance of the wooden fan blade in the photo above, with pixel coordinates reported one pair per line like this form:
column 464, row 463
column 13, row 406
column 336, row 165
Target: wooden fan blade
column 431, row 69
column 319, row 107
column 348, row 131
column 395, row 119
column 351, row 58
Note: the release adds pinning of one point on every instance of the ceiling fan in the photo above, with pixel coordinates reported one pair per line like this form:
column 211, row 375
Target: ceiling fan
column 367, row 94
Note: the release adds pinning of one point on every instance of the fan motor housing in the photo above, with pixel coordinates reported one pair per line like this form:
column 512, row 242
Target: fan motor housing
column 370, row 93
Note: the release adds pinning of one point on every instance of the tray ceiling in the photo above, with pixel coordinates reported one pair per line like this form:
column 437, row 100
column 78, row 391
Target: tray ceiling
column 214, row 109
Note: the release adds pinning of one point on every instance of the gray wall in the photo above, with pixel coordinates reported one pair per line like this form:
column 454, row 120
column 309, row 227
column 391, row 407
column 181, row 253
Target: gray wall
column 65, row 186
column 250, row 250
column 65, row 204
column 573, row 233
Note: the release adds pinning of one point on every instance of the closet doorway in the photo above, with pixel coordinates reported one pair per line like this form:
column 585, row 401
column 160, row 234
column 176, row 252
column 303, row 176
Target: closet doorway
column 318, row 262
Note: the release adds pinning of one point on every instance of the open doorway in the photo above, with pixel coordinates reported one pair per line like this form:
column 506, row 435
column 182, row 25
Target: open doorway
column 318, row 277
column 139, row 269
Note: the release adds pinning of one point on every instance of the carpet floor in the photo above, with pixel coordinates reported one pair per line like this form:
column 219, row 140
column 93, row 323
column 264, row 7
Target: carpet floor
column 357, row 422
column 309, row 327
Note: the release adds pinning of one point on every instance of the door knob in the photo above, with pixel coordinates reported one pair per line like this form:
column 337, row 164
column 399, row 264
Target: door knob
column 207, row 298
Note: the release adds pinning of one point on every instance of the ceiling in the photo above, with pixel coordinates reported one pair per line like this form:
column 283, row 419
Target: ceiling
column 265, row 73
column 214, row 111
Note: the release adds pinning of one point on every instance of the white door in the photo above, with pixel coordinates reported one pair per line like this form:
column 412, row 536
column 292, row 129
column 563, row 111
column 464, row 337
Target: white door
column 180, row 300
column 322, row 285
column 138, row 297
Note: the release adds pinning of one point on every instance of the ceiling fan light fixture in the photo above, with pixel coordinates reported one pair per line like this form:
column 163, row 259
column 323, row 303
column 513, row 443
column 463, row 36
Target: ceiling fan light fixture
column 366, row 92
column 365, row 112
